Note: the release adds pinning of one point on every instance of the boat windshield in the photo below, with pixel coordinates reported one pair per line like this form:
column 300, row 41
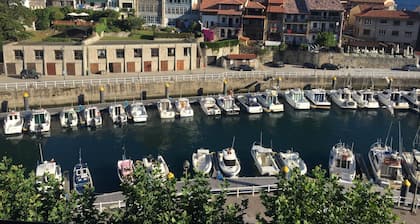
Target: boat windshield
column 117, row 111
column 319, row 97
column 92, row 112
column 13, row 117
column 395, row 96
column 342, row 164
column 345, row 96
column 367, row 96
column 390, row 172
column 39, row 118
column 229, row 162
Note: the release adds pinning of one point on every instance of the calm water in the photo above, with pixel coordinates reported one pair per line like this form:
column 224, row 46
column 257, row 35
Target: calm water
column 312, row 133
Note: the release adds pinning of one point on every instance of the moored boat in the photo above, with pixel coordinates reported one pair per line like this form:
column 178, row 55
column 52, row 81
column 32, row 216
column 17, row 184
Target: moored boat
column 209, row 106
column 393, row 99
column 342, row 98
column 92, row 116
column 228, row 161
column 157, row 167
column 227, row 105
column 137, row 112
column 264, row 159
column 82, row 177
column 183, row 107
column 413, row 97
column 40, row 121
column 365, row 99
column 125, row 169
column 249, row 103
column 13, row 123
column 68, row 117
column 270, row 102
column 317, row 98
column 165, row 109
column 411, row 161
column 46, row 169
column 342, row 162
column 296, row 99
column 117, row 114
column 202, row 161
column 292, row 160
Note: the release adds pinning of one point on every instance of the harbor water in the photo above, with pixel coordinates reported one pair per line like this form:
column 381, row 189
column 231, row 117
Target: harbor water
column 311, row 133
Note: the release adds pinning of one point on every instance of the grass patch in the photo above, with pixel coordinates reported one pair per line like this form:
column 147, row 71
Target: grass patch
column 38, row 36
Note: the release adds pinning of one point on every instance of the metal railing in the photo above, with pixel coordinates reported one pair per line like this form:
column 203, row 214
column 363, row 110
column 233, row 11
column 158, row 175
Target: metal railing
column 206, row 77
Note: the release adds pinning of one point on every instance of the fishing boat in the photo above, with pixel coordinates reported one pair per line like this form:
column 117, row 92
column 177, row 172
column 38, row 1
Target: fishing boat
column 165, row 108
column 342, row 98
column 82, row 178
column 249, row 103
column 317, row 98
column 228, row 161
column 227, row 105
column 264, row 159
column 292, row 160
column 342, row 162
column 296, row 99
column 68, row 118
column 13, row 123
column 40, row 121
column 393, row 99
column 92, row 116
column 270, row 102
column 413, row 97
column 137, row 112
column 183, row 107
column 411, row 161
column 46, row 169
column 209, row 106
column 202, row 161
column 157, row 167
column 125, row 169
column 117, row 114
column 365, row 99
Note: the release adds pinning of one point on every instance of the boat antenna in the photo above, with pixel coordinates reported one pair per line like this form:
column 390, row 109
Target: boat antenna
column 400, row 143
column 271, row 143
column 233, row 142
column 352, row 145
column 261, row 140
column 388, row 133
column 80, row 155
column 416, row 141
column 40, row 152
column 123, row 148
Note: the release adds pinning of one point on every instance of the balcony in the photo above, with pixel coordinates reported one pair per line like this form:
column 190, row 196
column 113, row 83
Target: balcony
column 319, row 30
column 294, row 31
column 295, row 20
column 232, row 25
column 324, row 18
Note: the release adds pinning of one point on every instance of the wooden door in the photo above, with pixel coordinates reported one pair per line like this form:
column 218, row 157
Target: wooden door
column 94, row 68
column 11, row 68
column 180, row 65
column 131, row 67
column 164, row 65
column 30, row 66
column 51, row 69
column 71, row 69
column 116, row 67
column 147, row 66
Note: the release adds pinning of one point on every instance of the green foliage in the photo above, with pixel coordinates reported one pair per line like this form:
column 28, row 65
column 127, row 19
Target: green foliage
column 85, row 211
column 219, row 44
column 57, row 39
column 13, row 17
column 101, row 26
column 283, row 47
column 173, row 35
column 326, row 39
column 43, row 21
column 55, row 13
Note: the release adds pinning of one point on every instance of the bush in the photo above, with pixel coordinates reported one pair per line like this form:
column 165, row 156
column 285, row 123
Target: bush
column 219, row 44
column 173, row 35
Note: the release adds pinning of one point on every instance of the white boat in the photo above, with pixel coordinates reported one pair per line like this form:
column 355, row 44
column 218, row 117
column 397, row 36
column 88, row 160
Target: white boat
column 342, row 98
column 202, row 161
column 411, row 161
column 40, row 121
column 250, row 104
column 269, row 101
column 209, row 106
column 413, row 97
column 227, row 105
column 386, row 165
column 117, row 114
column 317, row 98
column 365, row 98
column 82, row 178
column 393, row 99
column 165, row 108
column 92, row 116
column 137, row 112
column 183, row 107
column 46, row 169
column 264, row 159
column 293, row 161
column 68, row 118
column 157, row 167
column 13, row 123
column 125, row 169
column 228, row 161
column 342, row 162
column 296, row 99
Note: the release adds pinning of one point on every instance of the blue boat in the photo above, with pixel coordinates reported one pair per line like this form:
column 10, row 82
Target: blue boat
column 82, row 178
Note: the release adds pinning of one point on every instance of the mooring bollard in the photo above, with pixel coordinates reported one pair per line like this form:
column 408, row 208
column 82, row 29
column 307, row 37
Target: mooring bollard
column 26, row 101
column 224, row 86
column 404, row 191
column 278, row 82
column 167, row 90
column 334, row 81
column 389, row 80
column 102, row 94
column 285, row 170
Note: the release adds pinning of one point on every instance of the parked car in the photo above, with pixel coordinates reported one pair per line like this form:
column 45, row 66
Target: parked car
column 242, row 68
column 309, row 65
column 29, row 74
column 277, row 64
column 410, row 67
column 329, row 66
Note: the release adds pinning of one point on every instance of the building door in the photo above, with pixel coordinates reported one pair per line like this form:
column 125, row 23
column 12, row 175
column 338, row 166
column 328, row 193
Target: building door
column 180, row 65
column 11, row 68
column 94, row 68
column 51, row 69
column 71, row 69
column 30, row 66
column 164, row 65
column 131, row 67
column 147, row 66
column 115, row 67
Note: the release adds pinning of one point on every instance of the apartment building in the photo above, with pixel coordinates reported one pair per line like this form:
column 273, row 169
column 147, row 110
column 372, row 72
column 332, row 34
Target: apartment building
column 34, row 4
column 179, row 10
column 295, row 22
column 401, row 27
column 61, row 3
column 253, row 20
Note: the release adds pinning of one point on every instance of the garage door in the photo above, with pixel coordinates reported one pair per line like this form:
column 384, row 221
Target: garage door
column 180, row 65
column 164, row 65
column 30, row 66
column 147, row 66
column 131, row 67
column 71, row 69
column 51, row 69
column 94, row 68
column 115, row 67
column 11, row 68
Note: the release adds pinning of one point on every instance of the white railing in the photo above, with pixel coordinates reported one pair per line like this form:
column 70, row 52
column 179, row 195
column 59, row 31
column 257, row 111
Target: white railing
column 207, row 77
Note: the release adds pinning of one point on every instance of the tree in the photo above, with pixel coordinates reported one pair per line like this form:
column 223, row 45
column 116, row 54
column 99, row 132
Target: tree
column 55, row 13
column 84, row 210
column 326, row 39
column 43, row 21
column 13, row 18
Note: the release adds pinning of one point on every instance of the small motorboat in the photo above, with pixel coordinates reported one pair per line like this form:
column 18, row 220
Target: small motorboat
column 249, row 103
column 125, row 169
column 13, row 123
column 342, row 162
column 40, row 121
column 227, row 104
column 91, row 115
column 365, row 98
column 45, row 169
column 165, row 108
column 209, row 107
column 393, row 99
column 413, row 97
column 411, row 161
column 296, row 99
column 137, row 112
column 82, row 178
column 264, row 159
column 270, row 102
column 342, row 98
column 157, row 167
column 202, row 161
column 183, row 107
column 228, row 161
column 117, row 114
column 292, row 160
column 317, row 98
column 68, row 118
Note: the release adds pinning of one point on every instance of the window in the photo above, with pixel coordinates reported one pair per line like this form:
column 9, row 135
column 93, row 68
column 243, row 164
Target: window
column 395, row 33
column 171, row 51
column 408, row 34
column 101, row 53
column 18, row 54
column 58, row 54
column 366, row 32
column 410, row 23
column 187, row 51
column 237, row 20
column 396, row 22
column 315, row 25
column 138, row 53
column 368, row 21
column 120, row 53
column 222, row 33
column 78, row 55
column 39, row 54
column 383, row 21
column 155, row 52
column 223, row 19
column 382, row 32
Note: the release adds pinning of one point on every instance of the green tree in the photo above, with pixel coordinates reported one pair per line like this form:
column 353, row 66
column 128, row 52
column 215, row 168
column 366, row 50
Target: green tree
column 13, row 18
column 55, row 13
column 84, row 210
column 135, row 23
column 43, row 21
column 326, row 39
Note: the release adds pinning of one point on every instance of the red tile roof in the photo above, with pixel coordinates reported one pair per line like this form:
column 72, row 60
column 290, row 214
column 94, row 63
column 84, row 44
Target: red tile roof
column 241, row 56
column 275, row 6
column 275, row 1
column 389, row 14
column 366, row 7
column 295, row 7
column 330, row 5
column 368, row 1
column 207, row 5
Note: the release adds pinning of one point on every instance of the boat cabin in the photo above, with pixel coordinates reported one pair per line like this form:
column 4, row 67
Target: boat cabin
column 320, row 97
column 395, row 96
column 391, row 166
column 367, row 96
column 39, row 118
column 13, row 117
column 229, row 157
column 92, row 112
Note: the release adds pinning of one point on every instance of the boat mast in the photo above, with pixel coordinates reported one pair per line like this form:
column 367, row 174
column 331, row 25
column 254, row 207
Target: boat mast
column 416, row 141
column 80, row 155
column 387, row 135
column 40, row 153
column 123, row 156
column 261, row 141
column 233, row 142
column 400, row 144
